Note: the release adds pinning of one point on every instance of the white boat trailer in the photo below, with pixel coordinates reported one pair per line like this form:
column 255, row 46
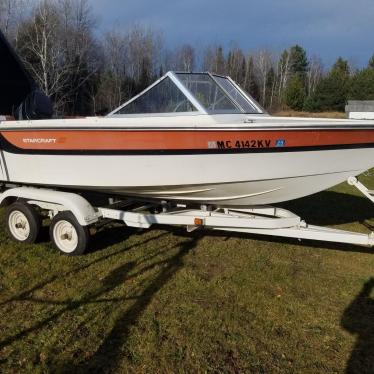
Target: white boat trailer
column 72, row 216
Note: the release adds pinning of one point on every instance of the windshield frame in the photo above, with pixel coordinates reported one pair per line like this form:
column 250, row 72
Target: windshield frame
column 193, row 100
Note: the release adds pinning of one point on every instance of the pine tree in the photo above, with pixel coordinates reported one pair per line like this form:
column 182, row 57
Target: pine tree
column 340, row 69
column 292, row 70
column 295, row 93
column 249, row 83
column 332, row 91
column 298, row 61
column 220, row 61
column 362, row 85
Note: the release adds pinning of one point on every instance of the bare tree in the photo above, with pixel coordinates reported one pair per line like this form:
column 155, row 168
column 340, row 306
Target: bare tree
column 236, row 64
column 283, row 72
column 12, row 13
column 143, row 51
column 80, row 47
column 56, row 44
column 132, row 60
column 6, row 13
column 263, row 62
column 314, row 74
column 185, row 58
column 42, row 48
column 111, row 90
column 214, row 60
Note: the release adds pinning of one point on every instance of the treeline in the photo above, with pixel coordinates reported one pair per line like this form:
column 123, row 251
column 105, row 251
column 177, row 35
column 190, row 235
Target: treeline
column 86, row 73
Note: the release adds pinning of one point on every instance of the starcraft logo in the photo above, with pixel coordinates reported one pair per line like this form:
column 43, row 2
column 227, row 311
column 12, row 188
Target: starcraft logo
column 40, row 140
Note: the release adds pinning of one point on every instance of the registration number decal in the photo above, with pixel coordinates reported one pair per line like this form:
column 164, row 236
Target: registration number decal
column 230, row 144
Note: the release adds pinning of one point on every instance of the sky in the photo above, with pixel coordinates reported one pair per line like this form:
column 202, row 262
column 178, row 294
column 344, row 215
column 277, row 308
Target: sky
column 327, row 28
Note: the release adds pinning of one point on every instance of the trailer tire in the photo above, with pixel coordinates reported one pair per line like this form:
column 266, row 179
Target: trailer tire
column 67, row 235
column 23, row 222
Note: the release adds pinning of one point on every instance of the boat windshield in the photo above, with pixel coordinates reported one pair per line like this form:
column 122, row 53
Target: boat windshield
column 216, row 94
column 190, row 93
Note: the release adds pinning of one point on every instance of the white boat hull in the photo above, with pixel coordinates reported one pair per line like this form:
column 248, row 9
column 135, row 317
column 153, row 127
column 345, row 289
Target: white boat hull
column 235, row 179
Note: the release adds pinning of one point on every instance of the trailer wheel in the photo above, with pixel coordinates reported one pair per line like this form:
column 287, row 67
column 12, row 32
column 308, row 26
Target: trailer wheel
column 23, row 222
column 67, row 235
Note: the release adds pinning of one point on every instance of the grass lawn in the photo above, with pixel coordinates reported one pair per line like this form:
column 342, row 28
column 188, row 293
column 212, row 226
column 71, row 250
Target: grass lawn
column 166, row 301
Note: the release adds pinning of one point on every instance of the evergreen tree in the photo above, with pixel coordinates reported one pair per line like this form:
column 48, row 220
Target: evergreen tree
column 298, row 61
column 340, row 69
column 230, row 62
column 332, row 91
column 295, row 93
column 250, row 84
column 220, row 61
column 362, row 85
column 292, row 70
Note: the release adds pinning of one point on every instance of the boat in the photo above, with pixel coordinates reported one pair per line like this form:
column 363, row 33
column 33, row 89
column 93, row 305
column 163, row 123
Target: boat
column 193, row 150
column 193, row 138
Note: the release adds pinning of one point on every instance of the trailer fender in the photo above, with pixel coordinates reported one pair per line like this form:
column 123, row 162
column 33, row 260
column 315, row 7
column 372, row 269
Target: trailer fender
column 54, row 201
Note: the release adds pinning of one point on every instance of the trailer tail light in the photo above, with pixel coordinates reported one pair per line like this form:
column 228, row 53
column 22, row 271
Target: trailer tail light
column 198, row 222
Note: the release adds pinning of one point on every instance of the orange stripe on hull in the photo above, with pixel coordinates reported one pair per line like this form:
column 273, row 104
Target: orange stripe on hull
column 180, row 140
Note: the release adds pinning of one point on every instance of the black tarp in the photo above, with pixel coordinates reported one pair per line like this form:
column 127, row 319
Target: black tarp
column 15, row 82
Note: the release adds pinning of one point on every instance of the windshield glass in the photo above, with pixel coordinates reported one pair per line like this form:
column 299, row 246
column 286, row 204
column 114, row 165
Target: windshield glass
column 235, row 94
column 165, row 97
column 217, row 94
column 208, row 93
